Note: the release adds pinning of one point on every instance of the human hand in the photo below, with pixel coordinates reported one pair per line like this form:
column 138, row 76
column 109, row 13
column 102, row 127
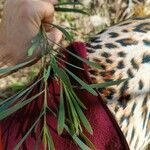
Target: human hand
column 21, row 22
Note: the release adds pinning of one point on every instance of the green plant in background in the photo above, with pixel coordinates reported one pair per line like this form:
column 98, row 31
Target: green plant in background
column 73, row 119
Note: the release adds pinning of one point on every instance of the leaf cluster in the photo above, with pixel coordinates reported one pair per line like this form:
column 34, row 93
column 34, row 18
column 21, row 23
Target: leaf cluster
column 70, row 112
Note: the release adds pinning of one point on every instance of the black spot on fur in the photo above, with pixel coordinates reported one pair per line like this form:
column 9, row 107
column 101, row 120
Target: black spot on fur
column 116, row 108
column 109, row 61
column 123, row 96
column 127, row 97
column 94, row 72
column 112, row 72
column 134, row 64
column 146, row 59
column 95, row 39
column 130, row 73
column 105, row 54
column 120, row 65
column 90, row 50
column 121, row 54
column 144, row 115
column 96, row 60
column 124, row 87
column 124, row 24
column 132, row 135
column 103, row 66
column 110, row 45
column 139, row 18
column 141, row 85
column 111, row 94
column 127, row 42
column 146, row 42
column 145, row 101
column 133, row 108
column 143, row 27
column 105, row 73
column 97, row 46
column 122, row 118
column 147, row 127
column 101, row 32
column 113, row 34
column 125, row 31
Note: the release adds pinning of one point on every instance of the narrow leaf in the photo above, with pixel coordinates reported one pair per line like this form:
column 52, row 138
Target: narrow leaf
column 68, row 3
column 35, row 43
column 88, row 142
column 65, row 32
column 47, row 73
column 44, row 136
column 90, row 63
column 13, row 68
column 71, row 10
column 61, row 73
column 9, row 101
column 18, row 106
column 50, row 140
column 27, row 133
column 82, row 145
column 106, row 84
column 70, row 64
column 33, row 47
column 77, row 99
column 83, row 117
column 82, row 83
column 93, row 64
column 72, row 110
column 61, row 115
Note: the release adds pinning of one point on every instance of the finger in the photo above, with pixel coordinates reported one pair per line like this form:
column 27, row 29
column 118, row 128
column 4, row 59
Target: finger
column 54, row 36
column 47, row 12
column 47, row 27
column 48, row 17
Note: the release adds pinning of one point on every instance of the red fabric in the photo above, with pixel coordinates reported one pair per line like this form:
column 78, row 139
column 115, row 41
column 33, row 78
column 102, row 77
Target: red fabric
column 106, row 133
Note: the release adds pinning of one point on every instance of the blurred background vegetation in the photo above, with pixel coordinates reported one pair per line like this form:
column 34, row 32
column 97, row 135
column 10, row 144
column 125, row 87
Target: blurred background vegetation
column 102, row 14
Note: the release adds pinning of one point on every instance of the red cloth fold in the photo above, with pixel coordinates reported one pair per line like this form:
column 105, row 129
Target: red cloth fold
column 106, row 133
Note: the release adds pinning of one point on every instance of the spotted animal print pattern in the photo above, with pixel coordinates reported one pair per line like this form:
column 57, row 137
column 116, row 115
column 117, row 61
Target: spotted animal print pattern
column 123, row 51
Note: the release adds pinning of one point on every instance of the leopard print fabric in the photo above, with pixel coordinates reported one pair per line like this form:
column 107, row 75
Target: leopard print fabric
column 123, row 51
